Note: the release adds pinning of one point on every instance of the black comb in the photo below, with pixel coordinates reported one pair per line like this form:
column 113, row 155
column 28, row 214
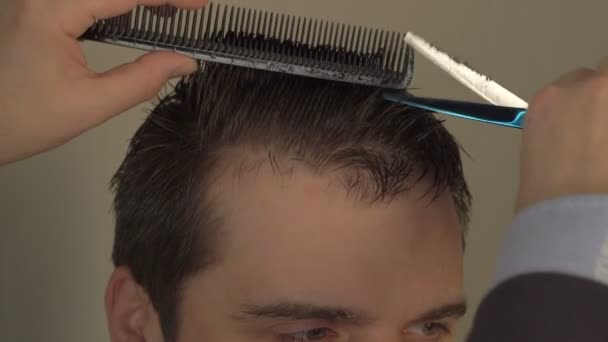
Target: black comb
column 268, row 41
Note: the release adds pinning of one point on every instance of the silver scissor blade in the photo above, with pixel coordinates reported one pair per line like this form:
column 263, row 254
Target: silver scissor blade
column 477, row 82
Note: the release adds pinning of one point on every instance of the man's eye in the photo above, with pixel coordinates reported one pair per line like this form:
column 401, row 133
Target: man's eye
column 429, row 329
column 318, row 334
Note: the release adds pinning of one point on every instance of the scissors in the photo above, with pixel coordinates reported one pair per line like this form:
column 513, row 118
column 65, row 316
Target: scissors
column 504, row 108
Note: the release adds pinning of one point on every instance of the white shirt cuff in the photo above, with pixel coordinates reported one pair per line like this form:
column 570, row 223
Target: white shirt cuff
column 567, row 235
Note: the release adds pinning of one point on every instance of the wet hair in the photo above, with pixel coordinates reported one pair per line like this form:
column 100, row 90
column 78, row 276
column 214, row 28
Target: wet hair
column 165, row 223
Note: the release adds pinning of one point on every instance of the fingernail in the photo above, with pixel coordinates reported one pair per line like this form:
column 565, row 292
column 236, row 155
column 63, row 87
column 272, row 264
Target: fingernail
column 184, row 69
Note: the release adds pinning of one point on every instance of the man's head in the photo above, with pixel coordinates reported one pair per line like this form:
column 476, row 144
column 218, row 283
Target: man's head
column 257, row 206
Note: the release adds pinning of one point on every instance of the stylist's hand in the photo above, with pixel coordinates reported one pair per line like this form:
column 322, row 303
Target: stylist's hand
column 48, row 95
column 565, row 143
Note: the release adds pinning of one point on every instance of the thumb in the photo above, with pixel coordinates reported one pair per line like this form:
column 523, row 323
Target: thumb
column 131, row 84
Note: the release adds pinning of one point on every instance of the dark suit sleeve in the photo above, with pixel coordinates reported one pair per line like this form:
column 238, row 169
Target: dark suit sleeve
column 543, row 308
column 552, row 276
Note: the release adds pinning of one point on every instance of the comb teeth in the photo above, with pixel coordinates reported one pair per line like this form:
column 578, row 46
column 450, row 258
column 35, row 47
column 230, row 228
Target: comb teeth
column 268, row 41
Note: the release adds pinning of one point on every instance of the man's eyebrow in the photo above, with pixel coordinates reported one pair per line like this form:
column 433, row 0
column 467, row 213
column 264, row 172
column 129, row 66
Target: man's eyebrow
column 455, row 310
column 303, row 311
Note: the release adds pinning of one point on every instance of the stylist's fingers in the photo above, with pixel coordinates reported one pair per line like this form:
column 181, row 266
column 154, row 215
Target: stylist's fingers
column 134, row 83
column 574, row 77
column 564, row 139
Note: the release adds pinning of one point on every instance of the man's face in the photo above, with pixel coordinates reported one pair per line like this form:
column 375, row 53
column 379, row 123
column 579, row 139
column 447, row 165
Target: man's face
column 302, row 260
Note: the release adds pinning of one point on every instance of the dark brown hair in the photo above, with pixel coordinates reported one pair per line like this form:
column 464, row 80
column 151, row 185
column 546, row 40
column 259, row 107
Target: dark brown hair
column 165, row 226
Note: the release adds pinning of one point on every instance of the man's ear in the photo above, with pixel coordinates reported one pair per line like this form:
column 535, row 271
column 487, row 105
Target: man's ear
column 130, row 314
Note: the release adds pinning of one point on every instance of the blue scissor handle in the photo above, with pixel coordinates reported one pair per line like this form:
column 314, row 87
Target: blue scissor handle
column 497, row 115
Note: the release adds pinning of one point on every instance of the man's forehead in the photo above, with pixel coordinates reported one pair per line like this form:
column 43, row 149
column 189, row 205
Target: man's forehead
column 291, row 198
column 294, row 222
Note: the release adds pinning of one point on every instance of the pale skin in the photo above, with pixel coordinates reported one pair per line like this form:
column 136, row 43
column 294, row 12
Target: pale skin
column 565, row 132
column 48, row 95
column 299, row 241
column 565, row 137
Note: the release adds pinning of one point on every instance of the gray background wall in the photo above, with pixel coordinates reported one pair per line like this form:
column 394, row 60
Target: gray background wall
column 55, row 220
